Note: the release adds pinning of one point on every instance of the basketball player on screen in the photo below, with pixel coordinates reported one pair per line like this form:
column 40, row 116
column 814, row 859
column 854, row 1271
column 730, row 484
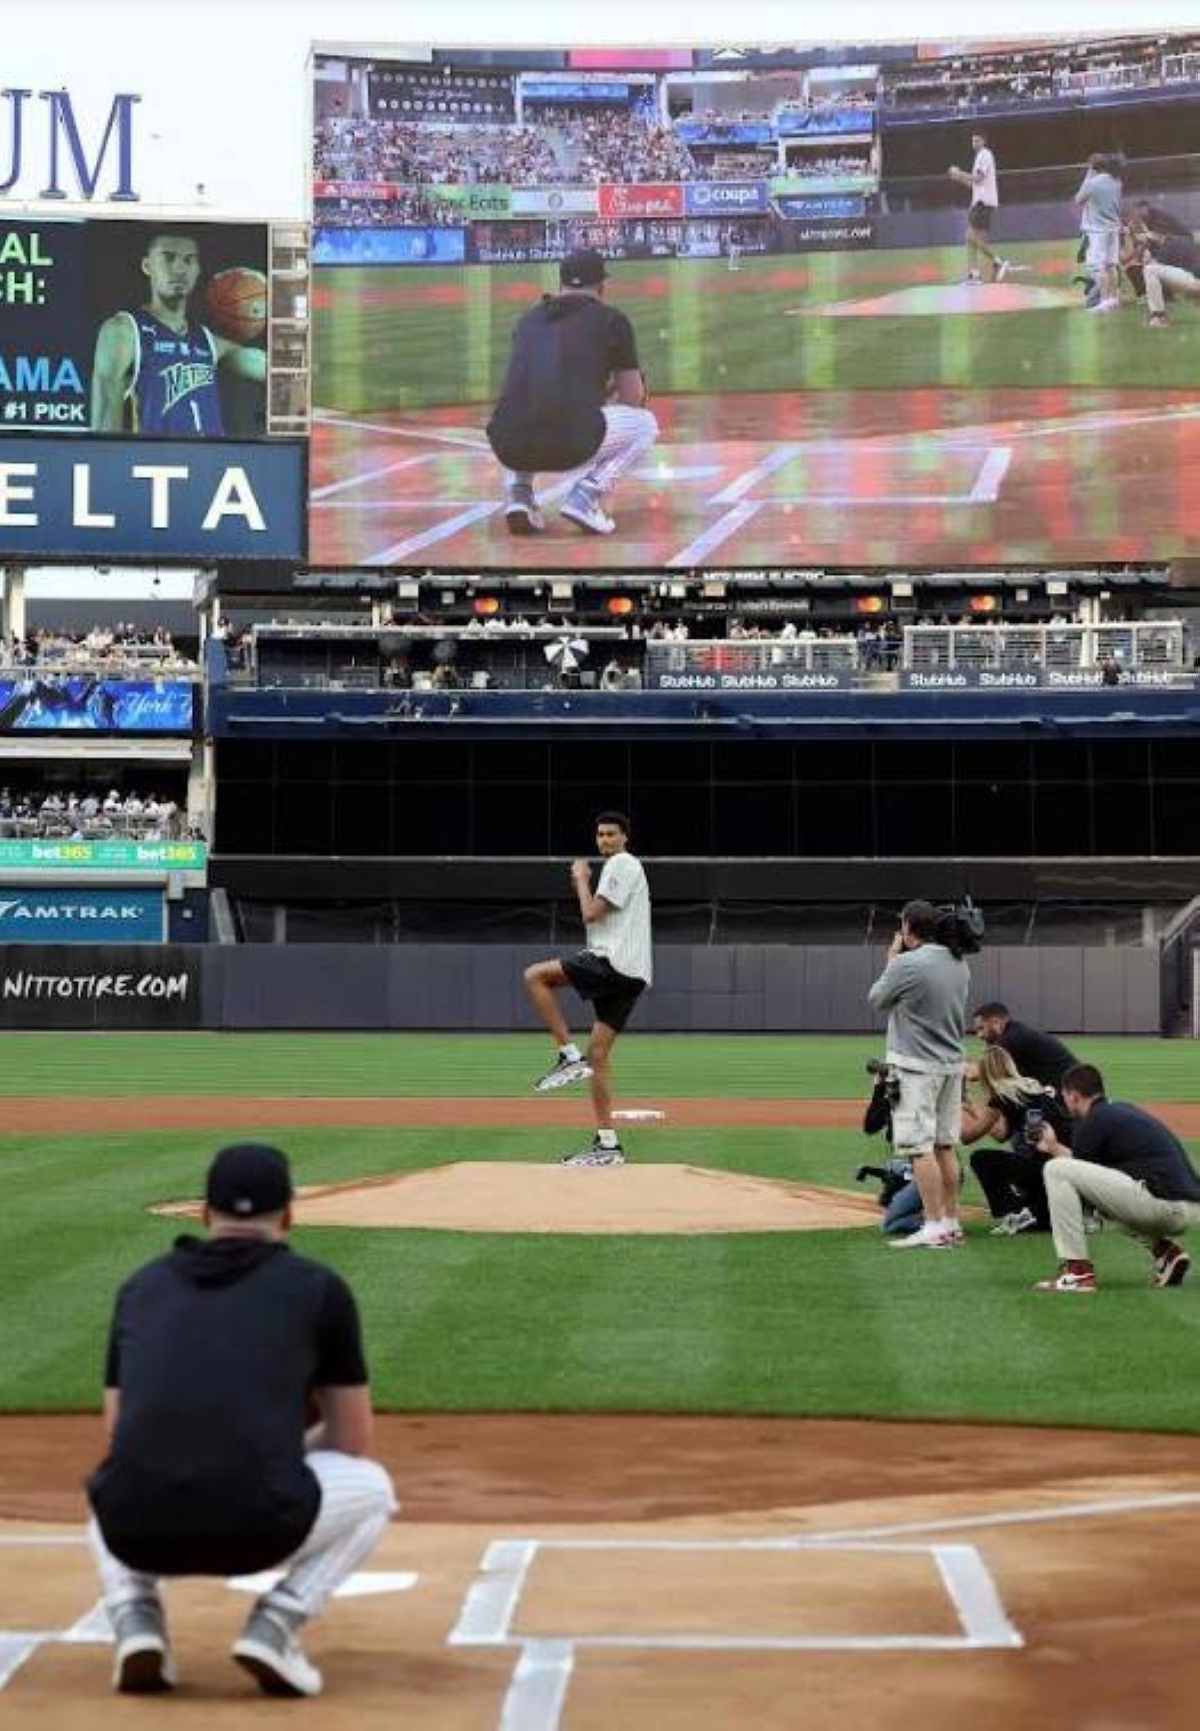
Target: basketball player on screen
column 154, row 370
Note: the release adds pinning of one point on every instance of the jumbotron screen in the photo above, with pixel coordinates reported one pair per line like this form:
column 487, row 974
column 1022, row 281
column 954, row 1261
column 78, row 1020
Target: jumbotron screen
column 914, row 304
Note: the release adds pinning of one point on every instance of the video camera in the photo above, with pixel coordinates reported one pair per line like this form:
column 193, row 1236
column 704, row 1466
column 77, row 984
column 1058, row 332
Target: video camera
column 893, row 1175
column 960, row 927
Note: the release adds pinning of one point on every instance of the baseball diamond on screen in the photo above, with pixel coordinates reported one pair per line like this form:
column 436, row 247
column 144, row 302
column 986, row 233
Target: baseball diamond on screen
column 939, row 305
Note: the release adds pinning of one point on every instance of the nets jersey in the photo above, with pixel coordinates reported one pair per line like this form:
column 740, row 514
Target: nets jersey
column 174, row 387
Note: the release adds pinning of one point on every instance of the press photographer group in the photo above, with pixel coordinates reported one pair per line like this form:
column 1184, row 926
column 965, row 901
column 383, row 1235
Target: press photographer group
column 1056, row 1154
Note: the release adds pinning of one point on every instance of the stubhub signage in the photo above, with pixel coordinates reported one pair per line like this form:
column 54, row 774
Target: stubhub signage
column 725, row 197
column 90, row 916
column 151, row 498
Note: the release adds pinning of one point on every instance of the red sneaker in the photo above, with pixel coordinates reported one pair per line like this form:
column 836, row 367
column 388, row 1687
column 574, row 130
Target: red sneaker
column 1071, row 1277
column 1171, row 1263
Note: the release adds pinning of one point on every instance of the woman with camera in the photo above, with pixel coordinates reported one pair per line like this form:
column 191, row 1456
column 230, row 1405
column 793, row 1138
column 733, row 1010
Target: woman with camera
column 1014, row 1109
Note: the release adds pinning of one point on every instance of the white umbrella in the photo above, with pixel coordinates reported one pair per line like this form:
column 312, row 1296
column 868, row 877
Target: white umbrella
column 568, row 652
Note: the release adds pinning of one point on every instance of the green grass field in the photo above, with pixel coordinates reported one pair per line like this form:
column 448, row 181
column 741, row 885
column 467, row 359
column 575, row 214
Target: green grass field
column 388, row 338
column 820, row 1323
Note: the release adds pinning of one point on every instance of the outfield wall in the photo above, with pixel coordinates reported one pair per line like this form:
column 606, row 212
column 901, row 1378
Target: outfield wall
column 727, row 989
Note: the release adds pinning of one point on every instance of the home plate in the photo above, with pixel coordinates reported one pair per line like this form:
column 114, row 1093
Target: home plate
column 360, row 1586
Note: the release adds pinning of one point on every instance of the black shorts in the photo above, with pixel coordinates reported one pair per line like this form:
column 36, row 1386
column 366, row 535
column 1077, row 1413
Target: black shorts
column 980, row 217
column 612, row 995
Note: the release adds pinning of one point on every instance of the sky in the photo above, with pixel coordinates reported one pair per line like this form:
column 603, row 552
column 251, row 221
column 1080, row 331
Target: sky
column 223, row 82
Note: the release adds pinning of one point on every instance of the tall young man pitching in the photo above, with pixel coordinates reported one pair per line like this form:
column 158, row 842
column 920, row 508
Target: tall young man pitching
column 984, row 188
column 612, row 972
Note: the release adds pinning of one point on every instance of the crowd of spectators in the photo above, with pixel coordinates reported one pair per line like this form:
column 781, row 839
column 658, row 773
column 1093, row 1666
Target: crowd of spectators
column 93, row 815
column 121, row 647
column 408, row 152
column 625, row 149
column 1044, row 75
column 827, row 167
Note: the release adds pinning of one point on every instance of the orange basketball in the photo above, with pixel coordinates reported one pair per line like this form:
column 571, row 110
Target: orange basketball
column 237, row 303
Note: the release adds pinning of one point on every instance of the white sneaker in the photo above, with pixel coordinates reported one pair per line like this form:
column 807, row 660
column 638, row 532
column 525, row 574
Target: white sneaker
column 269, row 1648
column 1105, row 306
column 583, row 508
column 928, row 1238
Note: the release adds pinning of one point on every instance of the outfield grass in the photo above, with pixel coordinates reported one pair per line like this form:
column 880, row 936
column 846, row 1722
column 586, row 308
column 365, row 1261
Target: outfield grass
column 649, row 1066
column 820, row 1323
column 396, row 338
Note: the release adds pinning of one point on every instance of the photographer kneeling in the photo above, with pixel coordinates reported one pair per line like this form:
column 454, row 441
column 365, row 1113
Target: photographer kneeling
column 1015, row 1109
column 924, row 990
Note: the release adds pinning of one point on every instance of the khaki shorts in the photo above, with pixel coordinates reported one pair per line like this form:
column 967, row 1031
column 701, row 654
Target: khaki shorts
column 929, row 1113
column 1104, row 248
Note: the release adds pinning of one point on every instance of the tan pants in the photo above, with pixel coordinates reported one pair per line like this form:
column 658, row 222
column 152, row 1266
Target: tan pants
column 1182, row 281
column 1118, row 1197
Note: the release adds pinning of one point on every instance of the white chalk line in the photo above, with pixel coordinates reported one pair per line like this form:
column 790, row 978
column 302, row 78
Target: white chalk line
column 711, row 538
column 467, row 438
column 370, row 475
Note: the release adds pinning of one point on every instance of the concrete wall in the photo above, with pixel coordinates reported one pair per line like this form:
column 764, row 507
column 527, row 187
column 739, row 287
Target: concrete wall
column 727, row 989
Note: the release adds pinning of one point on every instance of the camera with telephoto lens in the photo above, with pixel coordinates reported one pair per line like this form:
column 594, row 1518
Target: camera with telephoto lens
column 1035, row 1123
column 893, row 1175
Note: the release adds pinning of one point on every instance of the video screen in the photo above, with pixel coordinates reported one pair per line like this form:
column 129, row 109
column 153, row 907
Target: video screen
column 88, row 703
column 133, row 327
column 757, row 307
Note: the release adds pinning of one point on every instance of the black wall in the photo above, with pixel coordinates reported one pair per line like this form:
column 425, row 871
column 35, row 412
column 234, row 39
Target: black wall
column 875, row 798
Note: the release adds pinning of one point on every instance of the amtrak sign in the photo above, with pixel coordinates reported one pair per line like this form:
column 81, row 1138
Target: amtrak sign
column 139, row 498
column 46, row 152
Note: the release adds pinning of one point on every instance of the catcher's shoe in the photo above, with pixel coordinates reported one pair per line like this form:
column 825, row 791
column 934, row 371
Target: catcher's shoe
column 597, row 1155
column 522, row 513
column 583, row 508
column 562, row 1073
column 142, row 1663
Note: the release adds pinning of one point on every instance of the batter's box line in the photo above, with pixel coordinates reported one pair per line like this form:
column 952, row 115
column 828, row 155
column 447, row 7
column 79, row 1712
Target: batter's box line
column 540, row 1678
column 984, row 490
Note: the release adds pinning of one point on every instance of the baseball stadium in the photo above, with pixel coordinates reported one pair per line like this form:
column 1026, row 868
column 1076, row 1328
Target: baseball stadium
column 600, row 1101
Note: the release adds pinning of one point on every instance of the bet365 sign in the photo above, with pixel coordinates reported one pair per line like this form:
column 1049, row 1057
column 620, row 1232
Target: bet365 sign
column 46, row 153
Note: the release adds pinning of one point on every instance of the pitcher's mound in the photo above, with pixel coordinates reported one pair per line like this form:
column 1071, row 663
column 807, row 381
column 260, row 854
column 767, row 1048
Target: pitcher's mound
column 931, row 300
column 484, row 1196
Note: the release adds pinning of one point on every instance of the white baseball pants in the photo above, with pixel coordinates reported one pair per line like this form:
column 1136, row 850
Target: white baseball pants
column 357, row 1501
column 629, row 434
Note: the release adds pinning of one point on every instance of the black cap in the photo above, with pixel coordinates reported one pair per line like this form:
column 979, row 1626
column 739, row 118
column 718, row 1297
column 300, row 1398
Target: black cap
column 584, row 269
column 248, row 1178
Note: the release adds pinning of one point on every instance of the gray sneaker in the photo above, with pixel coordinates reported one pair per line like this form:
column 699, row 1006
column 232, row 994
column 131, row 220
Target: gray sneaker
column 597, row 1155
column 522, row 513
column 269, row 1648
column 583, row 508
column 143, row 1664
column 562, row 1073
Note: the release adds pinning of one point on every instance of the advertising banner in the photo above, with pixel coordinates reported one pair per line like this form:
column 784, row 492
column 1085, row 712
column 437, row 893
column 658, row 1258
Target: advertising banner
column 341, row 246
column 826, row 236
column 647, row 199
column 1040, row 678
column 475, row 201
column 555, row 201
column 53, row 985
column 725, row 197
column 119, row 854
column 834, row 207
column 769, row 679
column 84, row 916
column 151, row 499
column 133, row 327
column 47, row 702
column 821, row 185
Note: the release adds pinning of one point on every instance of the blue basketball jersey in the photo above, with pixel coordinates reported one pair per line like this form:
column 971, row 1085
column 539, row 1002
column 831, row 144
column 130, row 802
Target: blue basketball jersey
column 174, row 387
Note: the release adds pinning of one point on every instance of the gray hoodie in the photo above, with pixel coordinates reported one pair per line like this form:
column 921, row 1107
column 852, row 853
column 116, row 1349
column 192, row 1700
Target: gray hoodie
column 925, row 994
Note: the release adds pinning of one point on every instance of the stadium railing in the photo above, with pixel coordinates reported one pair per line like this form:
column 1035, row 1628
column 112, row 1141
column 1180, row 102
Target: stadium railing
column 1153, row 644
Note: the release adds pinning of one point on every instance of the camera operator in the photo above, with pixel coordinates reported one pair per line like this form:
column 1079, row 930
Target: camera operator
column 924, row 991
column 898, row 1197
